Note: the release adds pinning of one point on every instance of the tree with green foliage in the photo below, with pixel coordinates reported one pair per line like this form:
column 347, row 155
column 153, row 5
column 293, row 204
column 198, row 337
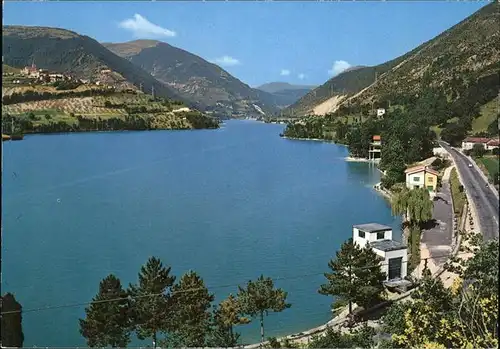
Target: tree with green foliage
column 227, row 315
column 415, row 205
column 478, row 150
column 357, row 338
column 419, row 206
column 108, row 320
column 356, row 276
column 273, row 342
column 259, row 297
column 393, row 162
column 12, row 329
column 454, row 133
column 191, row 318
column 151, row 300
column 493, row 128
column 400, row 202
column 462, row 316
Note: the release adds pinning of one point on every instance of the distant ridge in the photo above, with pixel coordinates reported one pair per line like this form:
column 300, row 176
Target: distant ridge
column 464, row 57
column 208, row 86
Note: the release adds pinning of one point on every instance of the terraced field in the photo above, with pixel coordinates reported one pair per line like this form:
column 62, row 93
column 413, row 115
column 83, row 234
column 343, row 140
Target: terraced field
column 84, row 106
column 106, row 111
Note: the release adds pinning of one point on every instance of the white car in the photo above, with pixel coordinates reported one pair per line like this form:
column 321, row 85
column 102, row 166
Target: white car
column 470, row 165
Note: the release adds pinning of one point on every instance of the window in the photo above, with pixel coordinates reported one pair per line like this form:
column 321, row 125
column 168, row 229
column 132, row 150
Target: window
column 416, row 179
column 380, row 235
column 361, row 234
column 430, row 179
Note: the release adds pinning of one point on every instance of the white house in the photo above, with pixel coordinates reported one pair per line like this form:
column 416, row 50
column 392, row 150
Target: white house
column 379, row 238
column 492, row 144
column 380, row 111
column 468, row 143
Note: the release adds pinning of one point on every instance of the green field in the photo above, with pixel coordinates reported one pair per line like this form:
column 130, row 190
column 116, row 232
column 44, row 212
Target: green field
column 489, row 113
column 491, row 164
column 438, row 129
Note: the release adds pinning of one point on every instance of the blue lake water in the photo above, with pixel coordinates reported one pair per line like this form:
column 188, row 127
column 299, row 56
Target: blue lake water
column 230, row 204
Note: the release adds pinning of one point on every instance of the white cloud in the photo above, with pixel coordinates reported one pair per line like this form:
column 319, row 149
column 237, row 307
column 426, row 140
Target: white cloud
column 301, row 76
column 142, row 28
column 338, row 67
column 285, row 72
column 226, row 61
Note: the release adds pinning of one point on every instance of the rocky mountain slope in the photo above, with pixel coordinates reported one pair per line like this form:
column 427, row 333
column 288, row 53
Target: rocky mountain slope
column 210, row 87
column 285, row 94
column 64, row 51
column 462, row 62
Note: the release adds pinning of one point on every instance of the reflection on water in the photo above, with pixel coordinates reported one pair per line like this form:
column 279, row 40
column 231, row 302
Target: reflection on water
column 230, row 205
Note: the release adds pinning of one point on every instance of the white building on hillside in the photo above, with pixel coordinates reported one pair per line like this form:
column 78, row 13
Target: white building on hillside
column 394, row 253
column 380, row 112
column 469, row 142
column 492, row 144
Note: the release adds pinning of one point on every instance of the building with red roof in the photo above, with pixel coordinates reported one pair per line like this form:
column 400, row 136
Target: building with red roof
column 469, row 142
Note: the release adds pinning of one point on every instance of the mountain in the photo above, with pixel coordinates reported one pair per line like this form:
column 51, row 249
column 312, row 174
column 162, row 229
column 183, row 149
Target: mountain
column 273, row 87
column 212, row 88
column 462, row 62
column 284, row 93
column 64, row 51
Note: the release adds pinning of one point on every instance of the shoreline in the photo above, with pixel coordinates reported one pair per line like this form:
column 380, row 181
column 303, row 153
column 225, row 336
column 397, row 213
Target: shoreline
column 306, row 335
column 113, row 131
column 313, row 139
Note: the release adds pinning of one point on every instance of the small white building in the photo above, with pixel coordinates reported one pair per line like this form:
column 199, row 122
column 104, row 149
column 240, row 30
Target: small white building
column 379, row 238
column 441, row 152
column 380, row 112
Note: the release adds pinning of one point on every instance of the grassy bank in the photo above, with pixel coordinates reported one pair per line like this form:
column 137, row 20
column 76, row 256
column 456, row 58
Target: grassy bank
column 490, row 164
column 458, row 196
column 488, row 114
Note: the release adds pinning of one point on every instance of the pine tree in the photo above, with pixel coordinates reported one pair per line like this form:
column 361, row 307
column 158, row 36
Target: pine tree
column 227, row 315
column 191, row 316
column 151, row 300
column 259, row 297
column 12, row 329
column 355, row 276
column 108, row 323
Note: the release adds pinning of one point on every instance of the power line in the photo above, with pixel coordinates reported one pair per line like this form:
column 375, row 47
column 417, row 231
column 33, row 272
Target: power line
column 73, row 305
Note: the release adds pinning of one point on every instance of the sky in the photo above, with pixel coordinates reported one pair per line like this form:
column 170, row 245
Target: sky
column 258, row 42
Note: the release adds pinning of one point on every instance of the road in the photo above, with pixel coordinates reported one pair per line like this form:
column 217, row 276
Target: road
column 485, row 201
column 437, row 237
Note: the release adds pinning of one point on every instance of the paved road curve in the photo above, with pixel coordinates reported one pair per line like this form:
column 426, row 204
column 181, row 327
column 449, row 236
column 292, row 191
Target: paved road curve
column 485, row 201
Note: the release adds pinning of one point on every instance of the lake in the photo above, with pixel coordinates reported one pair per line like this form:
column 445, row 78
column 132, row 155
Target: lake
column 231, row 204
